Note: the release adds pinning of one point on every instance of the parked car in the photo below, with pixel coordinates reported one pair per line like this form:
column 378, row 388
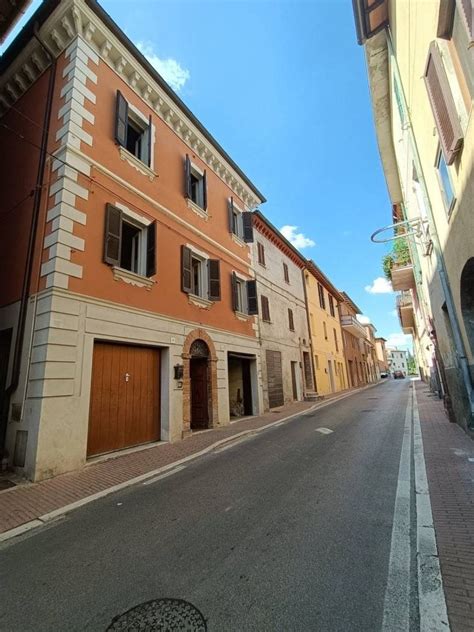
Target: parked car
column 383, row 374
column 398, row 375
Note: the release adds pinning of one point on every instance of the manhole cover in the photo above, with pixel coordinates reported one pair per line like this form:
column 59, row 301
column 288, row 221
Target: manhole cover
column 165, row 615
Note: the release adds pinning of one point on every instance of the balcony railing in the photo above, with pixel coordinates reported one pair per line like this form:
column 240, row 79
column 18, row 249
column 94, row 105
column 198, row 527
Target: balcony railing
column 406, row 312
column 352, row 325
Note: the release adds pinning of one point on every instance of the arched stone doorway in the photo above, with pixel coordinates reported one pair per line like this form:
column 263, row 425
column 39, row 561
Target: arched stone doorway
column 199, row 382
column 467, row 300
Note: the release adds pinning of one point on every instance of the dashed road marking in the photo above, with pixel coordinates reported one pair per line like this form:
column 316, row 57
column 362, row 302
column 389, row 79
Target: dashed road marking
column 165, row 475
column 325, row 431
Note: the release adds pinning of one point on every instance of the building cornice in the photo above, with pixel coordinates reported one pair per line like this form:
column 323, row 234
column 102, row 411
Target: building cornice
column 273, row 235
column 73, row 18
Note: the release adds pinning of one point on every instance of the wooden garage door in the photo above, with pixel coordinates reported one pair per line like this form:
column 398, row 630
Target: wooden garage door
column 125, row 397
column 274, row 379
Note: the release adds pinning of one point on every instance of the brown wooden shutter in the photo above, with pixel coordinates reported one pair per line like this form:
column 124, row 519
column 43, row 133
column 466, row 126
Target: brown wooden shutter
column 442, row 105
column 285, row 273
column 214, row 275
column 248, row 227
column 204, row 191
column 261, row 253
column 113, row 235
column 187, row 177
column 291, row 322
column 230, row 211
column 235, row 299
column 265, row 308
column 186, row 270
column 252, row 302
column 121, row 119
column 151, row 250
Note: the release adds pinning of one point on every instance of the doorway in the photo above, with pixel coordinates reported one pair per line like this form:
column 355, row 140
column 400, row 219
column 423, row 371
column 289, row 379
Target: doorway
column 240, row 385
column 331, row 376
column 199, row 374
column 293, row 381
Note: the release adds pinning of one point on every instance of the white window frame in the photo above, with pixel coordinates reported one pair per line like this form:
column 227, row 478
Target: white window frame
column 242, row 309
column 240, row 224
column 142, row 223
column 199, row 174
column 204, row 275
column 142, row 121
column 449, row 206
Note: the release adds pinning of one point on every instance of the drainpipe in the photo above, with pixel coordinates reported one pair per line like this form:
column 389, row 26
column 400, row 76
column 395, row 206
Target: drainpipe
column 441, row 266
column 31, row 240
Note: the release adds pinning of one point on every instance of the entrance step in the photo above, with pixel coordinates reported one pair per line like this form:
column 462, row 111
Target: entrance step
column 312, row 396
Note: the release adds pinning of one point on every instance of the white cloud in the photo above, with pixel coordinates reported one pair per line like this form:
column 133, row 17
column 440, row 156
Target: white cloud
column 170, row 69
column 363, row 320
column 380, row 285
column 402, row 341
column 298, row 240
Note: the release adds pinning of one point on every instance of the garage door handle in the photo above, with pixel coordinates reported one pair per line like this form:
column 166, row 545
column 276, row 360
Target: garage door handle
column 127, row 376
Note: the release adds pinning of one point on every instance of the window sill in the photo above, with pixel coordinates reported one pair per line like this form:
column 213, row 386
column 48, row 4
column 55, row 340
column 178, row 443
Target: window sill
column 137, row 163
column 242, row 316
column 132, row 278
column 203, row 303
column 238, row 240
column 197, row 209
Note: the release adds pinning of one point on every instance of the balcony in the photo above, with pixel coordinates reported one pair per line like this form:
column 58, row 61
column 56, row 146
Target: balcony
column 402, row 276
column 352, row 325
column 406, row 312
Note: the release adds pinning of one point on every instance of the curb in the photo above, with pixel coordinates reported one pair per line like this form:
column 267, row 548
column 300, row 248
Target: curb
column 52, row 515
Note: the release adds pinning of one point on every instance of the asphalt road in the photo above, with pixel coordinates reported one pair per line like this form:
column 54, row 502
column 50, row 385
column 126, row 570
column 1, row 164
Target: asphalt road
column 288, row 530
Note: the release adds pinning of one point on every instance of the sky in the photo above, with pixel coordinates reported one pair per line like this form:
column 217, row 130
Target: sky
column 282, row 86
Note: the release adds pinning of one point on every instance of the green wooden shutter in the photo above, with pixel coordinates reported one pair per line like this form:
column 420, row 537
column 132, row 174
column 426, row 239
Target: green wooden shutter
column 112, row 235
column 151, row 250
column 235, row 299
column 247, row 227
column 187, row 177
column 214, row 275
column 186, row 272
column 121, row 119
column 252, row 302
column 204, row 191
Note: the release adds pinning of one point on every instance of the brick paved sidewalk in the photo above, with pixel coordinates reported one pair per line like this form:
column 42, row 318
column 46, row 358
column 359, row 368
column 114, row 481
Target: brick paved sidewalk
column 27, row 502
column 447, row 450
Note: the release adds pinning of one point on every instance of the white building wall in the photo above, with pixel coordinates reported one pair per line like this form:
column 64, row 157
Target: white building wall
column 276, row 335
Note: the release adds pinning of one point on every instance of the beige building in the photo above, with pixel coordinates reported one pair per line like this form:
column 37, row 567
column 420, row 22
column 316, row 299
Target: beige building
column 323, row 301
column 381, row 353
column 372, row 363
column 421, row 77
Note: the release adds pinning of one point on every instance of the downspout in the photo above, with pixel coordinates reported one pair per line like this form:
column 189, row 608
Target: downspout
column 309, row 329
column 31, row 240
column 441, row 266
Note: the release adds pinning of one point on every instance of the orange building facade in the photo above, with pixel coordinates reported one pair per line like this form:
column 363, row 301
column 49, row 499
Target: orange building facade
column 127, row 279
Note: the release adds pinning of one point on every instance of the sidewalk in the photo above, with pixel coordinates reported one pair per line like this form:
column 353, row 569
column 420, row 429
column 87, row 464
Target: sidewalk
column 449, row 458
column 28, row 505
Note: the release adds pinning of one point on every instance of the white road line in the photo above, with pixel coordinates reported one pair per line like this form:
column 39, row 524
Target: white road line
column 396, row 615
column 325, row 431
column 432, row 603
column 165, row 475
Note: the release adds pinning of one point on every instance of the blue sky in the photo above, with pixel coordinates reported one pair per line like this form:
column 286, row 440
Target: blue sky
column 283, row 88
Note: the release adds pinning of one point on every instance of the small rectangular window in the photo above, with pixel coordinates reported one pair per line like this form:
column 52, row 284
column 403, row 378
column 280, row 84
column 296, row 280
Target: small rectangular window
column 196, row 276
column 325, row 331
column 200, row 276
column 261, row 253
column 444, row 178
column 129, row 244
column 240, row 222
column 286, row 274
column 322, row 301
column 291, row 322
column 335, row 341
column 331, row 305
column 265, row 309
column 132, row 131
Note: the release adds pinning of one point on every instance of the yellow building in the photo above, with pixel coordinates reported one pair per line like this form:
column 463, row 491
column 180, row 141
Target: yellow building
column 325, row 330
